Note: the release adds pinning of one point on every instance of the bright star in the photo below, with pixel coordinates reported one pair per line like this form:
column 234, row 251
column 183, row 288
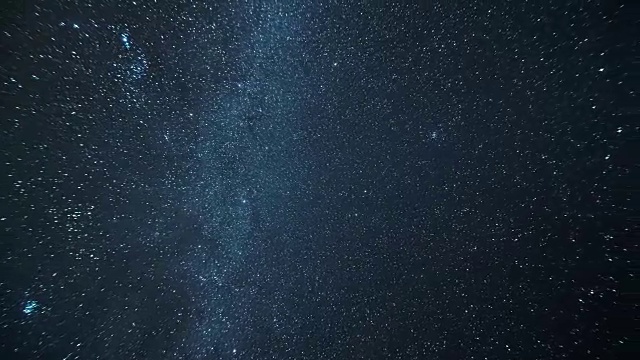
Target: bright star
column 30, row 307
column 125, row 41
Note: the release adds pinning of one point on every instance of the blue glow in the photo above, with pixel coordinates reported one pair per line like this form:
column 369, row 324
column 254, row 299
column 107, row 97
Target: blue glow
column 30, row 307
column 125, row 41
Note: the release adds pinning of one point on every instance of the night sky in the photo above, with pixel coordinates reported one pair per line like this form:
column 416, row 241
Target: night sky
column 309, row 180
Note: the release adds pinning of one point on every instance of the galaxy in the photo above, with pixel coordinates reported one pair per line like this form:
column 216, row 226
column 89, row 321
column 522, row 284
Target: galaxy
column 288, row 179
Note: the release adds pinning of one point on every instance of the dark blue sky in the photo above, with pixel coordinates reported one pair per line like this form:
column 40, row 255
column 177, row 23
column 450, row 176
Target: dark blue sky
column 311, row 180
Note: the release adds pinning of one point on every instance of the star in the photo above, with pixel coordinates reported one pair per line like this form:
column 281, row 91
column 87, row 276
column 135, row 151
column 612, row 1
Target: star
column 30, row 307
column 125, row 41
